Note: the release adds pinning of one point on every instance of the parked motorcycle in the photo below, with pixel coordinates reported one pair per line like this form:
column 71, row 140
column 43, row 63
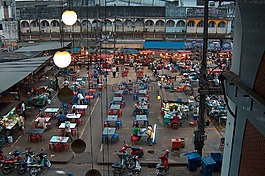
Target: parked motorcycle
column 135, row 168
column 10, row 163
column 119, row 167
column 162, row 167
column 43, row 162
column 138, row 151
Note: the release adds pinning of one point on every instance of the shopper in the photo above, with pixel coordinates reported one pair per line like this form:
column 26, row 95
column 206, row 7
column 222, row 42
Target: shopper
column 23, row 109
column 65, row 83
column 68, row 130
column 81, row 98
column 114, row 70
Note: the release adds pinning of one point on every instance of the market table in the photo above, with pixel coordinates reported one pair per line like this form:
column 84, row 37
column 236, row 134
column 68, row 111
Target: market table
column 52, row 111
column 142, row 92
column 80, row 107
column 142, row 118
column 59, row 139
column 47, row 119
column 73, row 116
column 115, row 107
column 35, row 131
column 72, row 125
column 117, row 99
column 112, row 118
column 59, row 143
column 145, row 99
column 109, row 131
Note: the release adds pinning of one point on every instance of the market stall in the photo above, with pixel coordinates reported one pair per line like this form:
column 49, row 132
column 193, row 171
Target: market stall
column 8, row 120
column 173, row 103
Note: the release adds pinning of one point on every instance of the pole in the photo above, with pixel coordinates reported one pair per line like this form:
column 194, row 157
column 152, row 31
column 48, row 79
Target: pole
column 199, row 133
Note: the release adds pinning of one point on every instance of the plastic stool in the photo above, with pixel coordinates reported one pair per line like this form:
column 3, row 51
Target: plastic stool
column 41, row 137
column 135, row 122
column 118, row 124
column 66, row 146
column 74, row 131
column 106, row 123
column 115, row 138
column 79, row 122
column 104, row 138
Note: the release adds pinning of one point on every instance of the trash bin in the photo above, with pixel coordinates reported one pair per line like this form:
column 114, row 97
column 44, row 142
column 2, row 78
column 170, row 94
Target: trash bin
column 10, row 139
column 194, row 160
column 208, row 165
column 218, row 158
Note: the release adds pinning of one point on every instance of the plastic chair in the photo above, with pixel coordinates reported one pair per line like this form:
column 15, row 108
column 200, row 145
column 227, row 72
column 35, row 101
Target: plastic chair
column 134, row 139
column 51, row 146
column 34, row 138
column 74, row 131
column 115, row 138
column 82, row 113
column 66, row 146
column 106, row 123
column 104, row 138
column 118, row 124
column 79, row 122
column 41, row 137
column 58, row 147
column 119, row 112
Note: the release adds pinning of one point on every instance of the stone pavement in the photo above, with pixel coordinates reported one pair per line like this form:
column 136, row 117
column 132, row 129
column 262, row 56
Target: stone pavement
column 106, row 154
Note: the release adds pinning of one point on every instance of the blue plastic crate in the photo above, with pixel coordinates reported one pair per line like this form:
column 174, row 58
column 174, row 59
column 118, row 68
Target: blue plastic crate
column 218, row 158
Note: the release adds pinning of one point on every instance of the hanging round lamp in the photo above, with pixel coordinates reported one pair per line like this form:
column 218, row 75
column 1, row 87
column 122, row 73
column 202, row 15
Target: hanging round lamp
column 62, row 59
column 69, row 17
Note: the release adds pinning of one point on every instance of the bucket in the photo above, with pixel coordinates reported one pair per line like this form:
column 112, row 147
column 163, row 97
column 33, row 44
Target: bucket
column 49, row 101
column 10, row 139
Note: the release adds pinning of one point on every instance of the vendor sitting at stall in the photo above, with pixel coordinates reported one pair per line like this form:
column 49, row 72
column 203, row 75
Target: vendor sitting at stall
column 150, row 134
column 61, row 118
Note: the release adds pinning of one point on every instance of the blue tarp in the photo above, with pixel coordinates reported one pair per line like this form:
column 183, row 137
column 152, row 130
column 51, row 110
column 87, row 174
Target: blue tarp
column 164, row 45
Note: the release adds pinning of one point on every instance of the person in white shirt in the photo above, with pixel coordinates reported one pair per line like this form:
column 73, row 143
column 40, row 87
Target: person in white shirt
column 114, row 70
column 68, row 130
column 65, row 83
column 23, row 109
column 81, row 98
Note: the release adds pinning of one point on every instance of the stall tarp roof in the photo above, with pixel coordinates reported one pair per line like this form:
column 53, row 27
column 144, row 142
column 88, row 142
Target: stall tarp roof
column 44, row 47
column 171, row 97
column 13, row 72
column 6, row 107
column 164, row 45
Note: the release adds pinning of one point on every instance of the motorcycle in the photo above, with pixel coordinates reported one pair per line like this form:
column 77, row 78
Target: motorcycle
column 135, row 168
column 162, row 167
column 10, row 163
column 119, row 167
column 138, row 151
column 43, row 162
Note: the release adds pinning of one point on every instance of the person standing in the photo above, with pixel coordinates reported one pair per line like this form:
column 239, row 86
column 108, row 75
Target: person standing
column 81, row 98
column 23, row 109
column 21, row 123
column 68, row 131
column 65, row 83
column 57, row 83
column 114, row 70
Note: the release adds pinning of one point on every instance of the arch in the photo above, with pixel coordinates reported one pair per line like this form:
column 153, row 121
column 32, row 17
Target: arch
column 191, row 23
column 170, row 23
column 96, row 22
column 139, row 23
column 221, row 24
column 107, row 23
column 77, row 23
column 86, row 23
column 149, row 23
column 181, row 23
column 200, row 24
column 24, row 24
column 45, row 23
column 55, row 23
column 160, row 23
column 118, row 22
column 34, row 24
column 212, row 24
column 128, row 23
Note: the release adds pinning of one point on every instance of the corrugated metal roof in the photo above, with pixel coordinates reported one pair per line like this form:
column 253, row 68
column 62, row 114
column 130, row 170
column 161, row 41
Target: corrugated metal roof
column 44, row 47
column 13, row 72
